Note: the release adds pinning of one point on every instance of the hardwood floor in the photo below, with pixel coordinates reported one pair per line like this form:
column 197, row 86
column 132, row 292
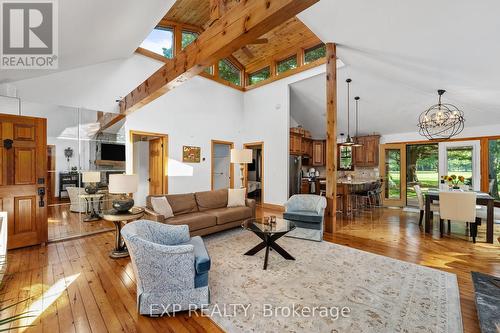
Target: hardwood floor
column 86, row 291
column 62, row 223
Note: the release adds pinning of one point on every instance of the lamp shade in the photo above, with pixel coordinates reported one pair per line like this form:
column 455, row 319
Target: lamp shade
column 119, row 184
column 91, row 177
column 242, row 156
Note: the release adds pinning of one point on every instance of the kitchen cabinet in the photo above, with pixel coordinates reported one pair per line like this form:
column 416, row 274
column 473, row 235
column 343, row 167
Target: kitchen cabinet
column 307, row 147
column 367, row 154
column 305, row 187
column 295, row 143
column 318, row 152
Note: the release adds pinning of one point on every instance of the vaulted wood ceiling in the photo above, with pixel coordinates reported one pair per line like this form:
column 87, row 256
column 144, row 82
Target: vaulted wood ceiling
column 289, row 35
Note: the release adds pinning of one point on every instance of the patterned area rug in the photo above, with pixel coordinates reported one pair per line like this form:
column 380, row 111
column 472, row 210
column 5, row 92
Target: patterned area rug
column 328, row 288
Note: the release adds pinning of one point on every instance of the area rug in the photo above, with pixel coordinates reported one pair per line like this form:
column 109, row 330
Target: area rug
column 308, row 234
column 328, row 288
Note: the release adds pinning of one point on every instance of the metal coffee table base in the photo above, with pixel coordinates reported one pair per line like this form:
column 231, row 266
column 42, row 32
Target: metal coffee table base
column 269, row 243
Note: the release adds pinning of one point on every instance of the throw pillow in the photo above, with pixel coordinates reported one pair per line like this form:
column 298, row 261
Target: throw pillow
column 236, row 197
column 161, row 206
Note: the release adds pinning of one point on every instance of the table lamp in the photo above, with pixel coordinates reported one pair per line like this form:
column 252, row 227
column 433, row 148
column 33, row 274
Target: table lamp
column 243, row 156
column 123, row 184
column 91, row 179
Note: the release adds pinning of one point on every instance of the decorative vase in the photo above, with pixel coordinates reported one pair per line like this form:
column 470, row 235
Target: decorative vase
column 123, row 205
column 456, row 187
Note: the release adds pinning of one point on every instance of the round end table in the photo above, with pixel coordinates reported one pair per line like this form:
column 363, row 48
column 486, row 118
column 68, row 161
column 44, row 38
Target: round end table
column 135, row 213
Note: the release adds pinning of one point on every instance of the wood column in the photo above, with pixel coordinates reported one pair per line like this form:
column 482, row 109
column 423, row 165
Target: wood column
column 331, row 137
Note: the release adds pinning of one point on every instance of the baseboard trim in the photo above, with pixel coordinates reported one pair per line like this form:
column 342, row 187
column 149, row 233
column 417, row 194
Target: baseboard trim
column 280, row 208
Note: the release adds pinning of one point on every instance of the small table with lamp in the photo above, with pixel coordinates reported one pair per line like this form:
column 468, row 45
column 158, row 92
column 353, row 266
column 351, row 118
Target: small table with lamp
column 123, row 211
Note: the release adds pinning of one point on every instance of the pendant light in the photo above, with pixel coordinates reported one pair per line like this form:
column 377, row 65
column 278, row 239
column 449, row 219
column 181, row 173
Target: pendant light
column 348, row 141
column 356, row 142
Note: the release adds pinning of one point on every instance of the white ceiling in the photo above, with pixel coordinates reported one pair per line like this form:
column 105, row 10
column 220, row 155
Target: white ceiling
column 94, row 31
column 398, row 53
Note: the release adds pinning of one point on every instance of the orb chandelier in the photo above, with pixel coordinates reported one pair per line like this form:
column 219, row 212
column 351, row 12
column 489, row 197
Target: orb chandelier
column 441, row 121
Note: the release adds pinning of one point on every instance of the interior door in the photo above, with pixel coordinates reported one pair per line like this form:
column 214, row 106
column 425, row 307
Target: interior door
column 393, row 172
column 156, row 166
column 23, row 170
column 221, row 170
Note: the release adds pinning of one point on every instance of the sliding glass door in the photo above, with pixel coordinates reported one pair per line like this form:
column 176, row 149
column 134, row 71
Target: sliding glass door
column 422, row 168
column 393, row 171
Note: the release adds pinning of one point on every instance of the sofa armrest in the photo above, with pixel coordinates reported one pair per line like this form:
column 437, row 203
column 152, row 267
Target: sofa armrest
column 150, row 214
column 251, row 203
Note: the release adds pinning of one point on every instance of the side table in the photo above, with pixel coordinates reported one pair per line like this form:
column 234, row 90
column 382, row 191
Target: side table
column 92, row 214
column 135, row 213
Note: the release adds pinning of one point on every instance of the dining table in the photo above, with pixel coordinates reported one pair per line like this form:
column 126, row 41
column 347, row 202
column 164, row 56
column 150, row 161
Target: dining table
column 482, row 199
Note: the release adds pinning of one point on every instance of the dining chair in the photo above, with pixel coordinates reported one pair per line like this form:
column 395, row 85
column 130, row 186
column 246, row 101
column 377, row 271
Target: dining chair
column 421, row 204
column 459, row 206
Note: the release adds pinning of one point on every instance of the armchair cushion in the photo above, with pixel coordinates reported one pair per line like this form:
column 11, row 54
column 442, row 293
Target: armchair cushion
column 304, row 216
column 201, row 257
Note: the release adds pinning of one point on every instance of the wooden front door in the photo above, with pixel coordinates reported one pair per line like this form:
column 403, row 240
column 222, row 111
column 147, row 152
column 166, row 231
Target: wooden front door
column 23, row 170
column 156, row 166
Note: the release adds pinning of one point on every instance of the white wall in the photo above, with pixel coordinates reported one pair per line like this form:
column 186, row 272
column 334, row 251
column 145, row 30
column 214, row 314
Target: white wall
column 266, row 118
column 95, row 87
column 192, row 115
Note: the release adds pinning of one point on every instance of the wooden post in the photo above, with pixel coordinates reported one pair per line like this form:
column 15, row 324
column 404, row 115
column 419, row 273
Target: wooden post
column 331, row 137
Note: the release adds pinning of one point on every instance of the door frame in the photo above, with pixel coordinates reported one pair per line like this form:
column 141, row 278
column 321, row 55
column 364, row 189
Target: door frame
column 231, row 166
column 401, row 202
column 251, row 145
column 164, row 138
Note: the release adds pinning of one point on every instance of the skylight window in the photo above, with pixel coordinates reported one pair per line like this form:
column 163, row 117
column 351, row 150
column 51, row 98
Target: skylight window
column 188, row 37
column 287, row 64
column 314, row 53
column 229, row 72
column 160, row 41
column 259, row 75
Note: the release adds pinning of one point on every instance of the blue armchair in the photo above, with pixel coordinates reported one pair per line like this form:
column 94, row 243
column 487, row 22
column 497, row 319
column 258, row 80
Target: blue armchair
column 307, row 211
column 171, row 268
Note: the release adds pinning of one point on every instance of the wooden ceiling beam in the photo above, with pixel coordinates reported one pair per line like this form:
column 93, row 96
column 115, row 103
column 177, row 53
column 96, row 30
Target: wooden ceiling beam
column 241, row 25
column 217, row 10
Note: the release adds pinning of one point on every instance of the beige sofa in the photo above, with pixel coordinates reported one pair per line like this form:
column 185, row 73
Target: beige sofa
column 204, row 212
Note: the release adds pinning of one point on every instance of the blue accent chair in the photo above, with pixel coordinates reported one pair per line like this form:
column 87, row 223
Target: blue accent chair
column 307, row 211
column 171, row 268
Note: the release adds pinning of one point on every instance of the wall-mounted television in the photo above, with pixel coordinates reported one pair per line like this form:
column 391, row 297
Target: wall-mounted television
column 112, row 152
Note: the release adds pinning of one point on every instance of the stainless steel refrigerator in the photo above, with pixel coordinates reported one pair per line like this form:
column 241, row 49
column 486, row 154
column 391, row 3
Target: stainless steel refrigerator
column 295, row 174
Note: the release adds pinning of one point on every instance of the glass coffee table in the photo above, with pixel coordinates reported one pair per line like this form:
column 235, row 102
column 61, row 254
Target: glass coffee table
column 269, row 233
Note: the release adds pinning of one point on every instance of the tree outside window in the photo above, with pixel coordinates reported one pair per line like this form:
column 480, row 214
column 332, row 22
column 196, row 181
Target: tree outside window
column 229, row 72
column 259, row 75
column 287, row 64
column 187, row 38
column 314, row 53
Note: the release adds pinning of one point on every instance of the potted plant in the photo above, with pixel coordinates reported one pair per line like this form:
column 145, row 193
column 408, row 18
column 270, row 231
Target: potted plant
column 454, row 181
